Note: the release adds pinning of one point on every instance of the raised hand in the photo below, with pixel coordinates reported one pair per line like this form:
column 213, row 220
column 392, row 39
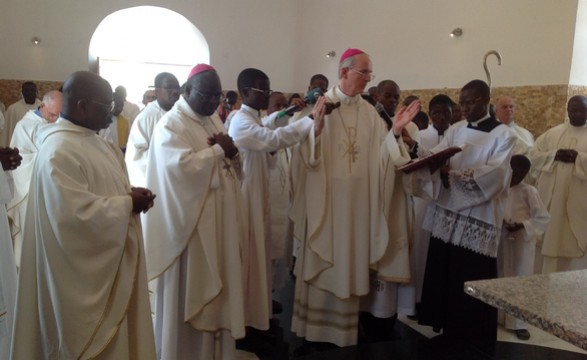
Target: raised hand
column 318, row 113
column 404, row 116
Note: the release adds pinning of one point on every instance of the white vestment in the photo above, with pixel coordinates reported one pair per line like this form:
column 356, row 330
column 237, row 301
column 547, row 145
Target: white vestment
column 340, row 220
column 130, row 111
column 429, row 138
column 23, row 138
column 195, row 238
column 7, row 270
column 524, row 139
column 516, row 249
column 561, row 187
column 82, row 290
column 14, row 113
column 137, row 147
column 255, row 140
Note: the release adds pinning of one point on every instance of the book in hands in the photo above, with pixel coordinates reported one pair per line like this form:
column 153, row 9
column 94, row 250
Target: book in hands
column 425, row 161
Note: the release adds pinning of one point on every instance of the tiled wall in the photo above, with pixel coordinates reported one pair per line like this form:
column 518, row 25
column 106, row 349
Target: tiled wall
column 538, row 107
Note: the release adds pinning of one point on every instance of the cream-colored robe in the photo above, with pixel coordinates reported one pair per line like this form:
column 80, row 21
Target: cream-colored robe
column 256, row 140
column 23, row 138
column 524, row 139
column 82, row 289
column 14, row 114
column 137, row 146
column 196, row 236
column 561, row 187
column 7, row 270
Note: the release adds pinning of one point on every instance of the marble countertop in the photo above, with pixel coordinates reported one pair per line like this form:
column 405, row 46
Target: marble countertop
column 555, row 303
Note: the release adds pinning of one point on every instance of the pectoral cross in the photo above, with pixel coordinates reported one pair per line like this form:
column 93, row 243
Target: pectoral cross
column 227, row 167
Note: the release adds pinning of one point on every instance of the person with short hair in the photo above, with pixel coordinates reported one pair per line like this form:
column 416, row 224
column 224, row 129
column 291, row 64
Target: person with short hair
column 504, row 111
column 525, row 219
column 559, row 163
column 197, row 238
column 258, row 139
column 16, row 111
column 82, row 289
column 465, row 219
column 25, row 139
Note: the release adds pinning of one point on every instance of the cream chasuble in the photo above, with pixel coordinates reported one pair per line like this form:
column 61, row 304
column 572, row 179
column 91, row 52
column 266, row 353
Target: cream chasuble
column 82, row 289
column 561, row 187
column 195, row 238
column 14, row 114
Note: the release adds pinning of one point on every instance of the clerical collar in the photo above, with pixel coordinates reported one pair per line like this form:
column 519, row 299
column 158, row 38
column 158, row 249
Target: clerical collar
column 485, row 124
column 251, row 110
column 344, row 98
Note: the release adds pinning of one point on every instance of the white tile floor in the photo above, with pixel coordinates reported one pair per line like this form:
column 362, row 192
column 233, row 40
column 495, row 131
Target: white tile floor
column 537, row 336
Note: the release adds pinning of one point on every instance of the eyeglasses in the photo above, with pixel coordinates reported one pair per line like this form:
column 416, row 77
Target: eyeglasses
column 468, row 103
column 264, row 92
column 210, row 97
column 364, row 73
column 170, row 89
column 109, row 107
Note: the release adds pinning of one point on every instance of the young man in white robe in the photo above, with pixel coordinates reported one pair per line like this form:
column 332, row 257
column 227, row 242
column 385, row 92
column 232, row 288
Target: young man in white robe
column 257, row 140
column 440, row 110
column 345, row 231
column 525, row 219
column 24, row 138
column 82, row 289
column 559, row 167
column 465, row 219
column 16, row 111
column 504, row 111
column 196, row 239
column 10, row 161
column 141, row 131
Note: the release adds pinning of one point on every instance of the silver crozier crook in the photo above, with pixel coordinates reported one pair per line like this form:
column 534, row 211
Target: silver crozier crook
column 498, row 55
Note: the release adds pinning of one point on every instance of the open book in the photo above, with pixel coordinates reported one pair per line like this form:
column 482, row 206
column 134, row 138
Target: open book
column 432, row 158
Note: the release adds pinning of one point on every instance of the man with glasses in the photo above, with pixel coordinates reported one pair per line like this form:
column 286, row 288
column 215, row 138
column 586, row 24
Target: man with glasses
column 82, row 290
column 137, row 146
column 24, row 138
column 342, row 227
column 197, row 234
column 465, row 219
column 258, row 141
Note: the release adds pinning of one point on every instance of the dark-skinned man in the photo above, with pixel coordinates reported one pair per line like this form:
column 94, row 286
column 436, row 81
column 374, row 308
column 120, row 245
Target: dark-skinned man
column 82, row 283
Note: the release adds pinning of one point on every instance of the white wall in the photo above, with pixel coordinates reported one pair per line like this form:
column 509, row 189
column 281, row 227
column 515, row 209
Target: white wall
column 288, row 39
column 579, row 64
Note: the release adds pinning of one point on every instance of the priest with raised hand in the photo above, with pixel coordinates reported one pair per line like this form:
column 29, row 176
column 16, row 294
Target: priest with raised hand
column 344, row 231
column 195, row 237
column 82, row 291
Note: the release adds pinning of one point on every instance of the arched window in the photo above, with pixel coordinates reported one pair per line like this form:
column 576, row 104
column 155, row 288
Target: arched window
column 131, row 46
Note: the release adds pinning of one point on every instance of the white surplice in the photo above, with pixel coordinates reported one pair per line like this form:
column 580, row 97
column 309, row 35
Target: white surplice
column 524, row 139
column 195, row 238
column 561, row 187
column 14, row 114
column 82, row 290
column 23, row 138
column 7, row 270
column 516, row 249
column 137, row 146
column 256, row 140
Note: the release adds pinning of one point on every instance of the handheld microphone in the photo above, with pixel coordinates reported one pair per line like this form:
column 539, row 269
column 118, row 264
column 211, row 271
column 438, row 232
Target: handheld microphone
column 311, row 98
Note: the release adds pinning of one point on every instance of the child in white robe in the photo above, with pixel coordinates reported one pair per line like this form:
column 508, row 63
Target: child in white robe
column 525, row 219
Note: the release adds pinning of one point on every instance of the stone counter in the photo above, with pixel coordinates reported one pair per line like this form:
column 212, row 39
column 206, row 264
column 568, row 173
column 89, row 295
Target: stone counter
column 555, row 303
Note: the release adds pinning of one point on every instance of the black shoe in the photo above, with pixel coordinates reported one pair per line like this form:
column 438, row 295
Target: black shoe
column 522, row 334
column 277, row 307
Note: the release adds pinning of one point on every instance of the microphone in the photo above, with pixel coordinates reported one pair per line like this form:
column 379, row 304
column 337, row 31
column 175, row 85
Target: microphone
column 311, row 98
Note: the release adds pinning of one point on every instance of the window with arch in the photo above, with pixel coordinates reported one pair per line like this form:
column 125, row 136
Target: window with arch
column 131, row 46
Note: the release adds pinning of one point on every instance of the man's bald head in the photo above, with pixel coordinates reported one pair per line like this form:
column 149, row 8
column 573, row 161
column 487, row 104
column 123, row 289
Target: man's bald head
column 505, row 109
column 51, row 106
column 87, row 100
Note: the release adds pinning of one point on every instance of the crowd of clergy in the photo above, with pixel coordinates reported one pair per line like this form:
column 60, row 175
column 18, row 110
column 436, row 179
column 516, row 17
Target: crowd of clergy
column 163, row 233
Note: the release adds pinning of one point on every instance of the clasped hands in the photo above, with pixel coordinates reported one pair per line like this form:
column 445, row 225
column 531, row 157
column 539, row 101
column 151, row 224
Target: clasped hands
column 566, row 155
column 225, row 142
column 142, row 199
column 10, row 158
